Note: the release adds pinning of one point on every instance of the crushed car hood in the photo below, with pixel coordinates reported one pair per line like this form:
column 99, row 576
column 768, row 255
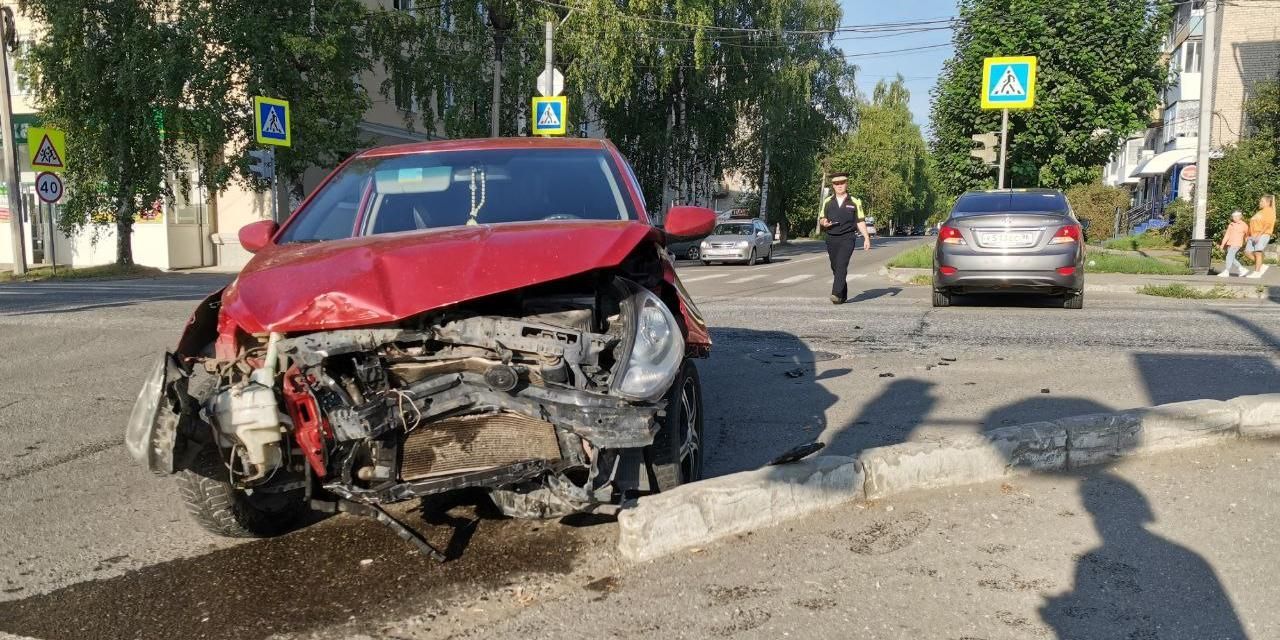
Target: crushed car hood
column 385, row 278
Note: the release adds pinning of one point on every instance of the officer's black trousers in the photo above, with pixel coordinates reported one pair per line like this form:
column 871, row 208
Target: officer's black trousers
column 840, row 250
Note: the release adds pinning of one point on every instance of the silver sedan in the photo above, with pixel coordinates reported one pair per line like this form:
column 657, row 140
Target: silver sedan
column 1010, row 240
column 743, row 241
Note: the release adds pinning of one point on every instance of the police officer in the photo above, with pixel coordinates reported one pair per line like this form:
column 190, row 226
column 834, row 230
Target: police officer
column 842, row 214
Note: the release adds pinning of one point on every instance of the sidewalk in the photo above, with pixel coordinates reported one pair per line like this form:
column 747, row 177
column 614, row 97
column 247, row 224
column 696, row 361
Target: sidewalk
column 1173, row 546
column 1266, row 288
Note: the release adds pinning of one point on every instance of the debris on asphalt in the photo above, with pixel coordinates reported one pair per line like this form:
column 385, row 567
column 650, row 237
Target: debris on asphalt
column 797, row 453
column 886, row 375
column 889, row 508
column 944, row 364
column 366, row 562
column 1045, row 390
column 948, row 359
column 795, row 373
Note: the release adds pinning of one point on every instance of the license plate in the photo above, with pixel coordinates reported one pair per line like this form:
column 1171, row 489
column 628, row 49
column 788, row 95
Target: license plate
column 1008, row 239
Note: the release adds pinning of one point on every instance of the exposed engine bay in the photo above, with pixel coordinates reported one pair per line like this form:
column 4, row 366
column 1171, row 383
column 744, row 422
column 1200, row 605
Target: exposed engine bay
column 551, row 398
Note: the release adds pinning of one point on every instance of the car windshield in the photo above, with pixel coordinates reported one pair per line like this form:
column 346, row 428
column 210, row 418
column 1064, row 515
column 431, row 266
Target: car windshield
column 732, row 230
column 456, row 188
column 1027, row 201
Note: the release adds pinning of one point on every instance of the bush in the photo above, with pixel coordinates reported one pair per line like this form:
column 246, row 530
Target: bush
column 1236, row 180
column 1182, row 216
column 1097, row 203
column 1148, row 240
column 1115, row 263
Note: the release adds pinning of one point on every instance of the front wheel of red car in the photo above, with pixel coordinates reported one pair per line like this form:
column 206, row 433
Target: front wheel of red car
column 222, row 509
column 678, row 450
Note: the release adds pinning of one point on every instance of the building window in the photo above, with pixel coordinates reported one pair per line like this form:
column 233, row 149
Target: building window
column 1197, row 5
column 1191, row 56
column 403, row 5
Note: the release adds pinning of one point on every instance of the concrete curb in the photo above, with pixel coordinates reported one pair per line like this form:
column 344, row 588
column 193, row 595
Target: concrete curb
column 1245, row 290
column 706, row 511
column 702, row 512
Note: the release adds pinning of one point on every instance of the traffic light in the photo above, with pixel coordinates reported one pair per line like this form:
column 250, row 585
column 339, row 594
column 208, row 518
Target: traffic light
column 264, row 163
column 988, row 147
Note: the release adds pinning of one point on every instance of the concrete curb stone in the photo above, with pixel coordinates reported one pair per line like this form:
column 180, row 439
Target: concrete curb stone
column 702, row 512
column 705, row 511
column 1259, row 415
column 909, row 466
column 1245, row 291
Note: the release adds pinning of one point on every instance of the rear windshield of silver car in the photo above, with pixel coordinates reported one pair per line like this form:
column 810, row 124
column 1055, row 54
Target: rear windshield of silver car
column 971, row 204
column 459, row 188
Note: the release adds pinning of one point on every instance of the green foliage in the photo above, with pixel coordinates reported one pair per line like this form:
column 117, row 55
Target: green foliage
column 887, row 160
column 100, row 72
column 1148, row 240
column 1100, row 75
column 1179, row 290
column 1245, row 171
column 920, row 257
column 1182, row 218
column 1098, row 204
column 1118, row 263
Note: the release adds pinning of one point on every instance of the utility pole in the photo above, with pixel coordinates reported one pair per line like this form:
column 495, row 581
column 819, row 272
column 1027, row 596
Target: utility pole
column 501, row 22
column 1201, row 248
column 8, row 43
column 1004, row 145
column 551, row 67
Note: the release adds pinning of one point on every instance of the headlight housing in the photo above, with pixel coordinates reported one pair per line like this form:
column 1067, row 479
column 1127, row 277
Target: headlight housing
column 742, row 244
column 656, row 348
column 705, row 244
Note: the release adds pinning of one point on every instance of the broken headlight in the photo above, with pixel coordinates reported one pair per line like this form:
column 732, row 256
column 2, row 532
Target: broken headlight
column 657, row 348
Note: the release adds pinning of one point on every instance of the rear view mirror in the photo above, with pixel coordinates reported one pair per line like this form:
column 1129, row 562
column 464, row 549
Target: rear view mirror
column 689, row 222
column 255, row 236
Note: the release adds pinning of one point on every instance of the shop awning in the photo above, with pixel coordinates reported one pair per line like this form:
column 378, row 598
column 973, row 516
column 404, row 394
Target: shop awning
column 1160, row 163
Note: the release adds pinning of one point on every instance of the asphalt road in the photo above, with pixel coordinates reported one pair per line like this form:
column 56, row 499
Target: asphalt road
column 96, row 547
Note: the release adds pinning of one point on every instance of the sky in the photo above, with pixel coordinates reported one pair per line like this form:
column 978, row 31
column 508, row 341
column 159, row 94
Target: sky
column 919, row 68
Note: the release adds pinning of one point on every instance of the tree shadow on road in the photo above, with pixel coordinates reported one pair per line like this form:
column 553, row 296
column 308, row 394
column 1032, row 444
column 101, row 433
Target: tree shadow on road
column 1138, row 584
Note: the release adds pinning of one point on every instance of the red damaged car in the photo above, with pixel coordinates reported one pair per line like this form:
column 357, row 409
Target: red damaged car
column 497, row 314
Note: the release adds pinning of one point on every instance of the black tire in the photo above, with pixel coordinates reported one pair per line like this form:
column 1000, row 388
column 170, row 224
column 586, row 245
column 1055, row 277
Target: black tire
column 768, row 258
column 706, row 263
column 941, row 298
column 221, row 509
column 1073, row 300
column 678, row 451
column 751, row 261
column 693, row 253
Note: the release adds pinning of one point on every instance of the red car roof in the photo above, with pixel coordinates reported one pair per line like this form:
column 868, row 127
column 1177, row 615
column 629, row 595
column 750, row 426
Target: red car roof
column 481, row 144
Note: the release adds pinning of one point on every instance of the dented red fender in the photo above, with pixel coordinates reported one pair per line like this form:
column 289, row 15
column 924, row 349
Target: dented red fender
column 381, row 279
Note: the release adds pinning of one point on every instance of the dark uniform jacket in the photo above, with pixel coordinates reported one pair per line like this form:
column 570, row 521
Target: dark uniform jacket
column 844, row 217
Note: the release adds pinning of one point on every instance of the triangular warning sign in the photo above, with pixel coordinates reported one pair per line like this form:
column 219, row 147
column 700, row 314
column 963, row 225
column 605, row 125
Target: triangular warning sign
column 273, row 126
column 549, row 118
column 46, row 155
column 1009, row 86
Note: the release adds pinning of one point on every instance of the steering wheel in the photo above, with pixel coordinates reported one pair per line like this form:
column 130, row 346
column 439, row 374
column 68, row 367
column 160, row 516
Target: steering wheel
column 561, row 216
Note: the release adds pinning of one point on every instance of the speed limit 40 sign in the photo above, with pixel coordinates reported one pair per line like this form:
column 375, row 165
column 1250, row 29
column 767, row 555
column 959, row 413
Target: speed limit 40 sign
column 49, row 187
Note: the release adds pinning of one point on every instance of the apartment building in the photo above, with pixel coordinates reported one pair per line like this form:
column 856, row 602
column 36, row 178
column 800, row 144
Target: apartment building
column 185, row 232
column 1151, row 163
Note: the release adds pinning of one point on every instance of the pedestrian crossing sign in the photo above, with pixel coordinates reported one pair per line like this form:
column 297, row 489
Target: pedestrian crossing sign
column 271, row 121
column 549, row 115
column 1009, row 83
column 47, row 148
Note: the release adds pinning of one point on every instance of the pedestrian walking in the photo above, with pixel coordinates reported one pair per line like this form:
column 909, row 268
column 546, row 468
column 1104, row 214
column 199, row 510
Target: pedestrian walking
column 1262, row 226
column 1232, row 241
column 842, row 215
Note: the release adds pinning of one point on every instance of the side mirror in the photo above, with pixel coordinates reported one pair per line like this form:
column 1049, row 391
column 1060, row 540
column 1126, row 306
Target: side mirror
column 689, row 222
column 253, row 237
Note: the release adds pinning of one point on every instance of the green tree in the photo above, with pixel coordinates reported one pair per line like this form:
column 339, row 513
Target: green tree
column 102, row 73
column 1100, row 75
column 887, row 159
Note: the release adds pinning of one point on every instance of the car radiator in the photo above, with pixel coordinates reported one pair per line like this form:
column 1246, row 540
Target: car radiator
column 476, row 443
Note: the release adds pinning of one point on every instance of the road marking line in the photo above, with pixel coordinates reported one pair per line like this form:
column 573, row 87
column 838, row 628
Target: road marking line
column 710, row 277
column 794, row 279
column 746, row 279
